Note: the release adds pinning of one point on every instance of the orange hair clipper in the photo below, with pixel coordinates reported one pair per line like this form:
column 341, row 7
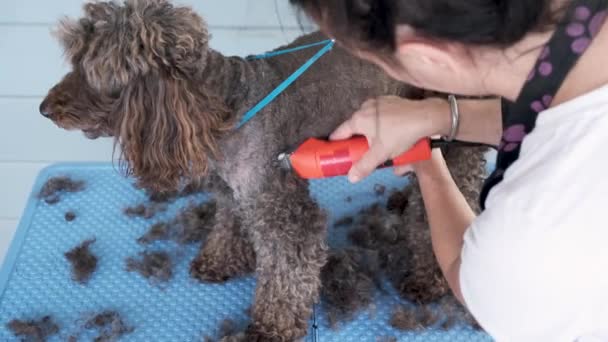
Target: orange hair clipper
column 323, row 159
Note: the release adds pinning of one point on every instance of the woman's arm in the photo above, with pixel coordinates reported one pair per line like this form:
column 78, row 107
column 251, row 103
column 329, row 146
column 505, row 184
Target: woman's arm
column 392, row 125
column 449, row 216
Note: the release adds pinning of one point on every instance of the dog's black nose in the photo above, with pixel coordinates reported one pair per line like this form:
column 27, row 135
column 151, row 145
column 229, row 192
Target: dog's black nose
column 44, row 109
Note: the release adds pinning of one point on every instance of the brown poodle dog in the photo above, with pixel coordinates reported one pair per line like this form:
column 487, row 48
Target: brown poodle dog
column 143, row 73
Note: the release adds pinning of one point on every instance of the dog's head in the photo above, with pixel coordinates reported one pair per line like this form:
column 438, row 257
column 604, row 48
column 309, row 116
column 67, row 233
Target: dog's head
column 133, row 75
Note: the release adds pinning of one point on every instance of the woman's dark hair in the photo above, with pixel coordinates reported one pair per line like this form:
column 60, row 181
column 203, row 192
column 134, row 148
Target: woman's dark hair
column 371, row 24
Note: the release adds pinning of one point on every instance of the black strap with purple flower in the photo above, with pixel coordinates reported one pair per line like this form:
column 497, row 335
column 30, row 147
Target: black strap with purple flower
column 571, row 39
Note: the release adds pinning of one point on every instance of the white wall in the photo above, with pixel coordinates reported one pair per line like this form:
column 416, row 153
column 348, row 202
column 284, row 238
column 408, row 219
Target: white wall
column 31, row 62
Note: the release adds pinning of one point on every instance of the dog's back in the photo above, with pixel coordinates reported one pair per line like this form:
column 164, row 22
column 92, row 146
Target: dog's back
column 328, row 93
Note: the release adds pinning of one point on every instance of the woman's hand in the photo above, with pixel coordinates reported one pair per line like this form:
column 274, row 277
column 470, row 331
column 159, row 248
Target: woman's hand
column 392, row 125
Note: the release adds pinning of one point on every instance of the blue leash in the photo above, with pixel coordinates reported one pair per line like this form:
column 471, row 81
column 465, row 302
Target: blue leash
column 329, row 44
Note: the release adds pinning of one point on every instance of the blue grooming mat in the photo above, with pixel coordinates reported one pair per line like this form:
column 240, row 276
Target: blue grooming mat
column 35, row 279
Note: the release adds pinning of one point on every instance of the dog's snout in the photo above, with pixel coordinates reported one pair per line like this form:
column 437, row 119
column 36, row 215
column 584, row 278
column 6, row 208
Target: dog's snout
column 44, row 109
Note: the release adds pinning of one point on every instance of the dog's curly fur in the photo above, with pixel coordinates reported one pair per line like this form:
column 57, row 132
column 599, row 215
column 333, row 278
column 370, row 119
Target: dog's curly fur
column 399, row 237
column 143, row 73
column 406, row 254
column 349, row 279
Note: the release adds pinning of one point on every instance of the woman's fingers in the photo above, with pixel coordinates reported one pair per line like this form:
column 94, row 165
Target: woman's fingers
column 370, row 161
column 390, row 125
column 361, row 123
column 344, row 131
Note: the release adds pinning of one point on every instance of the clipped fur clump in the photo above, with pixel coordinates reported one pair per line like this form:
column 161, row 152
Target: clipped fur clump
column 400, row 234
column 155, row 266
column 227, row 328
column 386, row 339
column 162, row 196
column 427, row 317
column 194, row 187
column 167, row 196
column 110, row 326
column 192, row 225
column 136, row 211
column 376, row 228
column 33, row 330
column 405, row 318
column 145, row 211
column 446, row 312
column 348, row 283
column 55, row 187
column 157, row 232
column 411, row 268
column 415, row 318
column 70, row 216
column 455, row 313
column 397, row 201
column 83, row 261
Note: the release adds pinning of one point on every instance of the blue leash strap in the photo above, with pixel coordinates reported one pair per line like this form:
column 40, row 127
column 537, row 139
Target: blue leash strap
column 278, row 90
column 286, row 51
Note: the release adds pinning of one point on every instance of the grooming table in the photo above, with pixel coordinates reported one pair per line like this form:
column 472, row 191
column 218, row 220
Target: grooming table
column 35, row 279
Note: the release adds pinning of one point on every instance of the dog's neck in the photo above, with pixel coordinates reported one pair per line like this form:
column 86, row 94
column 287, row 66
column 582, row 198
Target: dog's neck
column 235, row 80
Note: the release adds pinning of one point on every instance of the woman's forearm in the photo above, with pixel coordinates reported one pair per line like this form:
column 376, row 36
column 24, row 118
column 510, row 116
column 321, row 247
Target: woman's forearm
column 449, row 216
column 480, row 121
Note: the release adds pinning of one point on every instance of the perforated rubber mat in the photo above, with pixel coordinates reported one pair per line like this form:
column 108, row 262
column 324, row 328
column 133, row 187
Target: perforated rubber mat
column 35, row 279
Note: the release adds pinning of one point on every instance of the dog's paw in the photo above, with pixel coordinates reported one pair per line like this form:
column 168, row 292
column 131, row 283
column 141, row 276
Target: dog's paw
column 206, row 272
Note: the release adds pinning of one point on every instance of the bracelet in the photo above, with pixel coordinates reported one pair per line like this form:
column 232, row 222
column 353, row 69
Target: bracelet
column 455, row 113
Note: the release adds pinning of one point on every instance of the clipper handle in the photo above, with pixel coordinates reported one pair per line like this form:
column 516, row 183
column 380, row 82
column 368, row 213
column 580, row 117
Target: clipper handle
column 322, row 159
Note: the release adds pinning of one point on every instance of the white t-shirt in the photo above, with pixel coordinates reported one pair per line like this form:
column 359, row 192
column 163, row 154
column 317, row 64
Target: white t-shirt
column 535, row 263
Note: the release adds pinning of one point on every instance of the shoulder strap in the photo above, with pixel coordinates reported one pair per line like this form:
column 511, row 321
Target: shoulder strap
column 573, row 36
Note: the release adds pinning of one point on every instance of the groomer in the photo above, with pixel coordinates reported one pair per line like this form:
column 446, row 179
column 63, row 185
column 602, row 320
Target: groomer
column 534, row 265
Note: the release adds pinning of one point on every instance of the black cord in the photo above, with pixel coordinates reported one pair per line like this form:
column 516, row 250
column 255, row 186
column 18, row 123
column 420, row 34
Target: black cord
column 439, row 143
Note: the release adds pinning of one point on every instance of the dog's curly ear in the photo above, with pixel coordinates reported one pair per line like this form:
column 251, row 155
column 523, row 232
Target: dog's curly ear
column 117, row 43
column 169, row 131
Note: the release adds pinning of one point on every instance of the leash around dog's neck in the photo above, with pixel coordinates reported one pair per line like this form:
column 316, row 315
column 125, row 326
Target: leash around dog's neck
column 329, row 44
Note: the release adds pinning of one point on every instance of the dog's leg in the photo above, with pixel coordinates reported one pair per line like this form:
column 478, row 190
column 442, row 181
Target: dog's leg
column 288, row 231
column 424, row 282
column 227, row 253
